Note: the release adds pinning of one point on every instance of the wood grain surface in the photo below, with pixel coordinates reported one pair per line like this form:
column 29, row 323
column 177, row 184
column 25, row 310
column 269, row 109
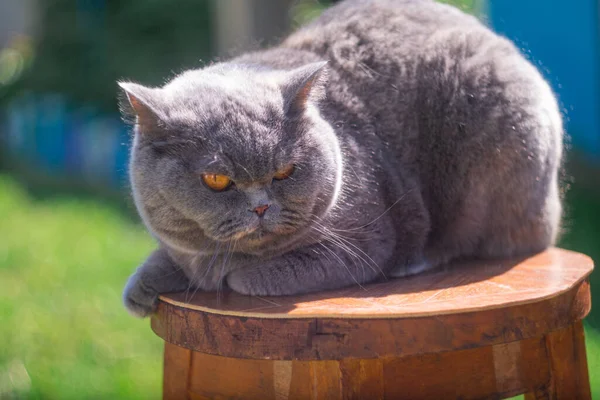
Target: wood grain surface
column 460, row 287
column 463, row 306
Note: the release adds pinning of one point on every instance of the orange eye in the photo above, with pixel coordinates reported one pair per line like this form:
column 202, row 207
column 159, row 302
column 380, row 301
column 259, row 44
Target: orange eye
column 216, row 182
column 285, row 172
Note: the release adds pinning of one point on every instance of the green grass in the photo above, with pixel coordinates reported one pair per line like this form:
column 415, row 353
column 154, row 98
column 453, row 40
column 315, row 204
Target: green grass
column 64, row 333
column 592, row 337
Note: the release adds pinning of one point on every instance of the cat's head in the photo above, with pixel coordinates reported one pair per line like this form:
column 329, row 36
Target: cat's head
column 232, row 153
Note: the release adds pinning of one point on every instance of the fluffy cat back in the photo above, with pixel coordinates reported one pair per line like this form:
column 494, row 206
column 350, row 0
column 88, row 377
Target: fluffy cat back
column 460, row 107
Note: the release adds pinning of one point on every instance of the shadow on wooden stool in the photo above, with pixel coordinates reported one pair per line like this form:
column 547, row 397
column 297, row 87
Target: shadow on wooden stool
column 473, row 330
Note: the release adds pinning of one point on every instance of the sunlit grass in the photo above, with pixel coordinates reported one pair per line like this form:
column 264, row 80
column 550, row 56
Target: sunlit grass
column 64, row 333
column 592, row 341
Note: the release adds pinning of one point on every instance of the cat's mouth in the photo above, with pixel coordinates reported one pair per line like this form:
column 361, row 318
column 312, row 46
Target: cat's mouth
column 259, row 233
column 256, row 231
column 257, row 237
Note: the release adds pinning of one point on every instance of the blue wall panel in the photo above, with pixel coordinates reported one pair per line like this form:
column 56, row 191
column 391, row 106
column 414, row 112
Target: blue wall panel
column 562, row 36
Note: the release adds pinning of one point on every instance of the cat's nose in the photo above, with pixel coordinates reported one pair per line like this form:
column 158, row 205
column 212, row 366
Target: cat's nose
column 260, row 210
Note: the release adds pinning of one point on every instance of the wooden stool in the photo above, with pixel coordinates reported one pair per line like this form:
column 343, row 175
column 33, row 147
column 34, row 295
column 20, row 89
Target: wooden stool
column 470, row 331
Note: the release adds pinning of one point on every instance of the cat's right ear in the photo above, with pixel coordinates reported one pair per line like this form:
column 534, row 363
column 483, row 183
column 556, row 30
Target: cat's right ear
column 302, row 85
column 136, row 106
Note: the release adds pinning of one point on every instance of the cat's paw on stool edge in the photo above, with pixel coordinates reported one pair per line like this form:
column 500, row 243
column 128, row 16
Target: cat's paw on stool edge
column 140, row 300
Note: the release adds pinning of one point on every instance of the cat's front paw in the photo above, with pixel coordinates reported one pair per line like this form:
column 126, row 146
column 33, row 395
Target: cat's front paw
column 416, row 267
column 250, row 282
column 139, row 299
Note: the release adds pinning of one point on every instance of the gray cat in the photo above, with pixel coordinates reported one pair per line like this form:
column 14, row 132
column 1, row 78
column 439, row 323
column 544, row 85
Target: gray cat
column 383, row 139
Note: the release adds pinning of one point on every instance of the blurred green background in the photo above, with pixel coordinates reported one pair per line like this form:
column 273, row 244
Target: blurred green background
column 69, row 236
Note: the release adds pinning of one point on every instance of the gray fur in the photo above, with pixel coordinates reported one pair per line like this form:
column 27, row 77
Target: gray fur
column 425, row 138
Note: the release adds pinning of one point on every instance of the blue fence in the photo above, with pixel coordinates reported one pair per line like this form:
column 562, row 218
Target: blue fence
column 78, row 144
column 563, row 39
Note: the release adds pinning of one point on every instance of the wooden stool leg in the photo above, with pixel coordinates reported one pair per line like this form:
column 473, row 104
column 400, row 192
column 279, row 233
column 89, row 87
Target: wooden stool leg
column 568, row 366
column 176, row 372
column 568, row 363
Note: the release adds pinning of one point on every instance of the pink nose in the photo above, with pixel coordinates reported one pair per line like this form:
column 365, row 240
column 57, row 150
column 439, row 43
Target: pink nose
column 260, row 210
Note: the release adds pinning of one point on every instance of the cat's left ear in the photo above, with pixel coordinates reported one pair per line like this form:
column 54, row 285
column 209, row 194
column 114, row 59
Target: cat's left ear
column 303, row 85
column 137, row 106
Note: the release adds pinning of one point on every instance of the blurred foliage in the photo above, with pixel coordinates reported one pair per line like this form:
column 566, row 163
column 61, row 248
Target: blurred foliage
column 14, row 59
column 306, row 10
column 465, row 5
column 84, row 46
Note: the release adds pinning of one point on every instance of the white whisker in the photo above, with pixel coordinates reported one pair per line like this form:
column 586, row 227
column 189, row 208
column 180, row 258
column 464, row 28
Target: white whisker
column 344, row 264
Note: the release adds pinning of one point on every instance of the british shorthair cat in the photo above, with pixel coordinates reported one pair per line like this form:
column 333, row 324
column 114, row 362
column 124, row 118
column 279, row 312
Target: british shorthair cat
column 383, row 139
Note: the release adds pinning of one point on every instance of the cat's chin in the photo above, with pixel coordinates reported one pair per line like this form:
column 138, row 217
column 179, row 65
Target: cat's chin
column 262, row 241
column 259, row 237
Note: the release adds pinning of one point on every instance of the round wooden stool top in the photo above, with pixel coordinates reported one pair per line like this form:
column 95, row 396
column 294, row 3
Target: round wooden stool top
column 462, row 306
